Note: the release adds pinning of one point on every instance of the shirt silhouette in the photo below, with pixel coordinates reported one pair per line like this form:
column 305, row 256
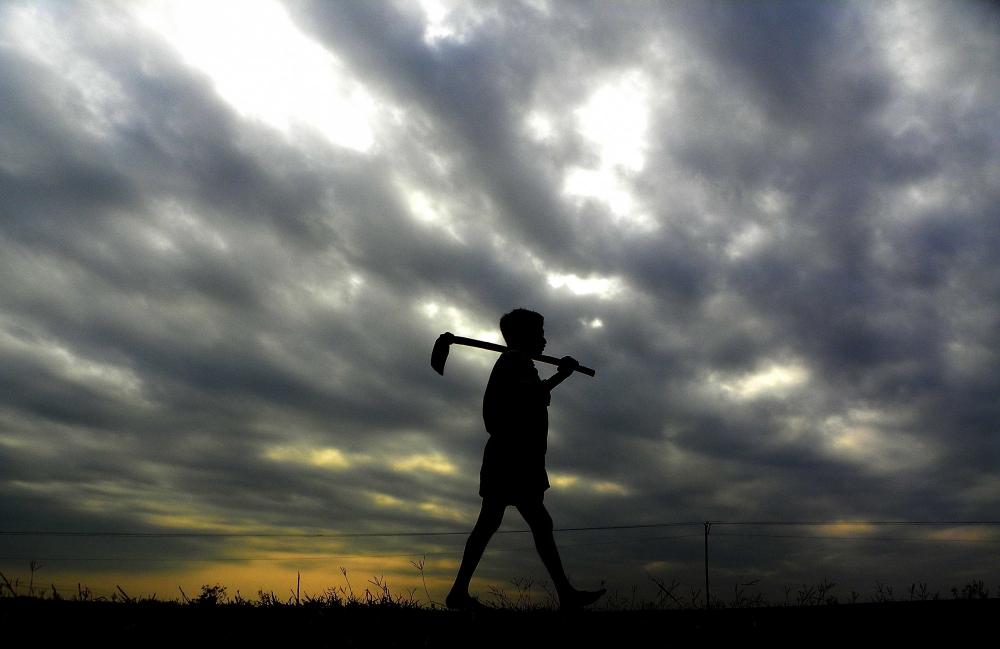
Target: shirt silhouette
column 515, row 411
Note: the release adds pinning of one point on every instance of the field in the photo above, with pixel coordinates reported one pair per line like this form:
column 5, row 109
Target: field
column 381, row 620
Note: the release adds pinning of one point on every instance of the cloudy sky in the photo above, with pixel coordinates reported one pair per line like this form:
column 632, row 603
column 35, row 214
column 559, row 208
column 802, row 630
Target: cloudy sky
column 231, row 232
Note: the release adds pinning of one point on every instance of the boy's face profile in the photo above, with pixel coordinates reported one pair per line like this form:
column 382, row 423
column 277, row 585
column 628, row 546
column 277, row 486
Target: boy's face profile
column 524, row 330
column 531, row 340
column 537, row 340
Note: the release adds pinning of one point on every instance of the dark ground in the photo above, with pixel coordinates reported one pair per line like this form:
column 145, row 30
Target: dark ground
column 45, row 620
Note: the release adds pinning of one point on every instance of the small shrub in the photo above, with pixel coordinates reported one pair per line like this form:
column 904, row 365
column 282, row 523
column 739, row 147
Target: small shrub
column 211, row 595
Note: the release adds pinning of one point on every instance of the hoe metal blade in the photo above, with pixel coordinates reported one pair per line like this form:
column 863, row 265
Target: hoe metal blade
column 440, row 352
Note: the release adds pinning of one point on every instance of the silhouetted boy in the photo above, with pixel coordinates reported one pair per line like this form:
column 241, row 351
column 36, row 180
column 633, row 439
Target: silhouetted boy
column 515, row 411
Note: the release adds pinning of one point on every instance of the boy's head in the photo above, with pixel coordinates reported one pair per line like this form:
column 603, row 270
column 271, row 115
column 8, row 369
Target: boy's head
column 523, row 329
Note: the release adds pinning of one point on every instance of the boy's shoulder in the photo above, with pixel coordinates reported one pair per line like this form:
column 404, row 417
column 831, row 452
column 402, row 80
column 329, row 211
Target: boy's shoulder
column 513, row 359
column 514, row 366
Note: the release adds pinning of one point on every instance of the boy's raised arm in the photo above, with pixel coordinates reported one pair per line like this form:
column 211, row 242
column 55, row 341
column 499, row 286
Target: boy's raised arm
column 567, row 365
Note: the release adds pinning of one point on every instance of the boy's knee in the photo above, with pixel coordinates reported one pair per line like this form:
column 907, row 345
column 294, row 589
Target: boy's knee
column 488, row 525
column 489, row 520
column 538, row 518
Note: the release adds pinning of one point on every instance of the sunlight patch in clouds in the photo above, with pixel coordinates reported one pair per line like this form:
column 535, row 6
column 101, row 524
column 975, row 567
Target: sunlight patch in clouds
column 776, row 379
column 907, row 32
column 266, row 68
column 746, row 241
column 875, row 440
column 448, row 20
column 460, row 323
column 601, row 287
column 540, row 126
column 98, row 101
column 111, row 380
column 436, row 25
column 614, row 121
column 606, row 187
column 329, row 291
column 427, row 210
column 176, row 226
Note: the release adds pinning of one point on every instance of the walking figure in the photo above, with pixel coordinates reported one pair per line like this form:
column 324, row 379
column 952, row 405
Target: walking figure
column 515, row 411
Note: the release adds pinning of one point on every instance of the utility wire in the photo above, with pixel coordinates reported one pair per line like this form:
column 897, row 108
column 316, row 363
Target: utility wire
column 330, row 557
column 858, row 538
column 342, row 535
column 320, row 535
column 835, row 523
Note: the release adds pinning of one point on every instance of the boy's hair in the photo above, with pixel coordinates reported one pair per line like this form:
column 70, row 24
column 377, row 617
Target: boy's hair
column 517, row 323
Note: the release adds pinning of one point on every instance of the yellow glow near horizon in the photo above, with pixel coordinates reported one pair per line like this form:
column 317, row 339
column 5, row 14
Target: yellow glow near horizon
column 424, row 463
column 433, row 508
column 266, row 67
column 326, row 458
column 267, row 572
column 566, row 481
column 437, row 510
column 562, row 481
column 607, row 487
column 962, row 534
column 847, row 528
column 386, row 500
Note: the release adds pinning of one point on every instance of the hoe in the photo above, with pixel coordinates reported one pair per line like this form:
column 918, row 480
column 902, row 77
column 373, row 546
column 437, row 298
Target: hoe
column 444, row 342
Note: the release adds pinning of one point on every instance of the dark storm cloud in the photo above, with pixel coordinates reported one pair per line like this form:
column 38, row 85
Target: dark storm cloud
column 195, row 307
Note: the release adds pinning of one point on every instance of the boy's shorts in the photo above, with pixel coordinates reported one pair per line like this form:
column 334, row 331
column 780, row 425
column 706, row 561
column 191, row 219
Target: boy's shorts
column 511, row 476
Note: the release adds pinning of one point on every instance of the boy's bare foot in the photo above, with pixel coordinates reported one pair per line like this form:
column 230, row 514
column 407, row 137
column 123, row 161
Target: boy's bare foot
column 577, row 599
column 464, row 602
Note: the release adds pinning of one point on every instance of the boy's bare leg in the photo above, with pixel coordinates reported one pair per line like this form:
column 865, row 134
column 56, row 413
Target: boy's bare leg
column 540, row 522
column 490, row 517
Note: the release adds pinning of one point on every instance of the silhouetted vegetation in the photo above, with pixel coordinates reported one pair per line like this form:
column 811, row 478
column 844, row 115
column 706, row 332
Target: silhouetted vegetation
column 520, row 595
column 373, row 613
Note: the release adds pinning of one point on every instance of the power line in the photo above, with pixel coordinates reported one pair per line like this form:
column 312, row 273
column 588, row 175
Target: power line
column 329, row 557
column 873, row 523
column 343, row 535
column 320, row 535
column 858, row 538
